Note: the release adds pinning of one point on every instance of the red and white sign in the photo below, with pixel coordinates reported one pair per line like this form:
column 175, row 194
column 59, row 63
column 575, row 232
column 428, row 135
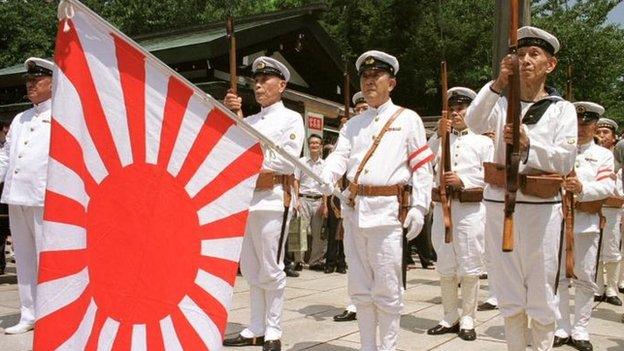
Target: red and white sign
column 315, row 122
column 149, row 183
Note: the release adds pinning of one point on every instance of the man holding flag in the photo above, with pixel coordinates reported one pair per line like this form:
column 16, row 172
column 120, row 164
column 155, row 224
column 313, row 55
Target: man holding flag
column 263, row 246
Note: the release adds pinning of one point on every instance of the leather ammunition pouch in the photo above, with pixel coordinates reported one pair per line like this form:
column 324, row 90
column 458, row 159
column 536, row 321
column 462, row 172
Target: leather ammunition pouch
column 466, row 195
column 614, row 202
column 268, row 180
column 543, row 186
column 402, row 192
column 591, row 207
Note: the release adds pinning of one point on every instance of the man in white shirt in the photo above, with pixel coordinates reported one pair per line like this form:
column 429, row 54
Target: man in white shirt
column 267, row 223
column 311, row 204
column 379, row 197
column 23, row 168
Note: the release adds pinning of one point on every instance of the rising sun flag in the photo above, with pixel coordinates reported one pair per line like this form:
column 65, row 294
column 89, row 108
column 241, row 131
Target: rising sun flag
column 149, row 183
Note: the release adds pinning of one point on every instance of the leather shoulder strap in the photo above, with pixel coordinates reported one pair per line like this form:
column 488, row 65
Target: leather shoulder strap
column 376, row 142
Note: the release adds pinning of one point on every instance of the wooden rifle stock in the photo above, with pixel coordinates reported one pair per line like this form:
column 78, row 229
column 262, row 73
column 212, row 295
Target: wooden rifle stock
column 512, row 151
column 568, row 207
column 347, row 90
column 229, row 25
column 445, row 162
column 568, row 200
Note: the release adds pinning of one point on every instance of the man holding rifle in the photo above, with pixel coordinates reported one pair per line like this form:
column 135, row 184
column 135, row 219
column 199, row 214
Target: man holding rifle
column 461, row 260
column 524, row 278
column 267, row 223
column 384, row 153
column 592, row 185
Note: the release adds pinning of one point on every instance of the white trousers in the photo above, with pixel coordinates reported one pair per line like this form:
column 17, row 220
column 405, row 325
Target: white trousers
column 585, row 251
column 464, row 256
column 610, row 251
column 26, row 224
column 516, row 332
column 375, row 284
column 524, row 278
column 264, row 272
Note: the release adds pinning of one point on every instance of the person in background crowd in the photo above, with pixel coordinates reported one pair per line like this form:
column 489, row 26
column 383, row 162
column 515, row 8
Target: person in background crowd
column 4, row 208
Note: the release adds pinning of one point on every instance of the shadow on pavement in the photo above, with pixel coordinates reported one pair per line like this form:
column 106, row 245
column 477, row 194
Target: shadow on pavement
column 416, row 324
column 496, row 332
column 9, row 320
column 324, row 347
column 319, row 312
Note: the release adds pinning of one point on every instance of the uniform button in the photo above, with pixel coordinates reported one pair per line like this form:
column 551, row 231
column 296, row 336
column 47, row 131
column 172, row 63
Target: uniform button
column 26, row 142
column 15, row 171
column 32, row 129
column 19, row 156
column 455, row 164
column 373, row 137
column 376, row 119
column 366, row 171
column 456, row 155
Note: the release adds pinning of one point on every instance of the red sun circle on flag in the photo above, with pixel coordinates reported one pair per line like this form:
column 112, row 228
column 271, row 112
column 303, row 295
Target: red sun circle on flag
column 141, row 206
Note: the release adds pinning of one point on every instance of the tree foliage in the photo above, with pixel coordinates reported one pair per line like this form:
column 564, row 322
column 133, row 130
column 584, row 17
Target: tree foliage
column 421, row 33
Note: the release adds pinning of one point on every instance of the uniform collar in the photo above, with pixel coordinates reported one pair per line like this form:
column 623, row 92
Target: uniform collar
column 43, row 106
column 462, row 133
column 584, row 147
column 272, row 108
column 382, row 108
column 319, row 160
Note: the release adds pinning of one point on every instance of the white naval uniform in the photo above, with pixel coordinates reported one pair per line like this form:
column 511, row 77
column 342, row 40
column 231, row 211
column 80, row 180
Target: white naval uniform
column 310, row 208
column 259, row 262
column 24, row 168
column 373, row 233
column 594, row 168
column 610, row 255
column 461, row 260
column 524, row 278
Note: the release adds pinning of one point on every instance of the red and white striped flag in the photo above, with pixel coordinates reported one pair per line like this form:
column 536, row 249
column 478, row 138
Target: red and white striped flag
column 149, row 183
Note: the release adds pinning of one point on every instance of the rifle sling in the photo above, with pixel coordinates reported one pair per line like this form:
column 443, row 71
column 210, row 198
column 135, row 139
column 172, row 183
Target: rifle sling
column 370, row 152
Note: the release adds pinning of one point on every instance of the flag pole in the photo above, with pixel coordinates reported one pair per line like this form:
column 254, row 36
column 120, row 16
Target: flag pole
column 66, row 11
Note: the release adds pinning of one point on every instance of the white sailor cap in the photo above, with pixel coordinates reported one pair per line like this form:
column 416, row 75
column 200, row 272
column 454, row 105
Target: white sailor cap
column 375, row 59
column 460, row 95
column 358, row 98
column 533, row 36
column 270, row 66
column 38, row 67
column 607, row 123
column 588, row 111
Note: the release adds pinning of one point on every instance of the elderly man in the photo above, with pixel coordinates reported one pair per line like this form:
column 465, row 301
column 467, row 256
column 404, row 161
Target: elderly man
column 23, row 168
column 385, row 156
column 267, row 224
column 592, row 183
column 461, row 260
column 524, row 279
column 610, row 255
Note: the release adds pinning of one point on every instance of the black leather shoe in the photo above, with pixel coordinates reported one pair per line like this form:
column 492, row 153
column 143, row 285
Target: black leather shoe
column 558, row 342
column 243, row 341
column 290, row 272
column 613, row 300
column 341, row 270
column 345, row 316
column 272, row 345
column 621, row 289
column 298, row 266
column 467, row 334
column 317, row 267
column 329, row 269
column 486, row 306
column 599, row 298
column 581, row 345
column 483, row 276
column 440, row 329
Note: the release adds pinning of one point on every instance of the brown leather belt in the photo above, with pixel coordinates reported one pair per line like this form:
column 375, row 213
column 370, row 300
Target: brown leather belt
column 268, row 180
column 614, row 202
column 545, row 185
column 375, row 190
column 591, row 207
column 466, row 195
column 313, row 197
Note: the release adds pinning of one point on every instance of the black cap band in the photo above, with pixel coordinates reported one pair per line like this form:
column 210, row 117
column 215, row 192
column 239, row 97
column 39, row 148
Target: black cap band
column 359, row 101
column 459, row 99
column 35, row 71
column 539, row 42
column 373, row 63
column 270, row 71
column 606, row 125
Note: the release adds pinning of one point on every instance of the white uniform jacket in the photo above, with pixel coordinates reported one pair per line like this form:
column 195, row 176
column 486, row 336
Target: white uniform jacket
column 468, row 152
column 594, row 168
column 552, row 139
column 285, row 128
column 402, row 157
column 24, row 157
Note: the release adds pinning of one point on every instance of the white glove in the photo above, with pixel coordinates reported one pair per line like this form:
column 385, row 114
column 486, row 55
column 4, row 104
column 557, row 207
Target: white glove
column 414, row 221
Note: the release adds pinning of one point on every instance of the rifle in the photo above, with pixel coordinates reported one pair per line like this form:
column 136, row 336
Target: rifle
column 229, row 27
column 347, row 90
column 445, row 162
column 512, row 151
column 569, row 201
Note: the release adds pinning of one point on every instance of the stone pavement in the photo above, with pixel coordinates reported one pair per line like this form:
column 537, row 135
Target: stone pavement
column 314, row 297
